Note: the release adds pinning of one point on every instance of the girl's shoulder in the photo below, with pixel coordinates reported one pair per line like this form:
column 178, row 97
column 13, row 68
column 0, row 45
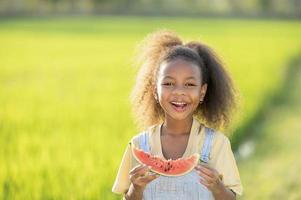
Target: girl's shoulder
column 220, row 143
column 218, row 136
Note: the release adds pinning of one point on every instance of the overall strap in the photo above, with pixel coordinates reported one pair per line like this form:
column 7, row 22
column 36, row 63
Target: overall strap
column 205, row 153
column 144, row 143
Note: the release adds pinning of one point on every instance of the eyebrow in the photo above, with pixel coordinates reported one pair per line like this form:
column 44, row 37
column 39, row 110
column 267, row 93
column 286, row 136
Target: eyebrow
column 190, row 77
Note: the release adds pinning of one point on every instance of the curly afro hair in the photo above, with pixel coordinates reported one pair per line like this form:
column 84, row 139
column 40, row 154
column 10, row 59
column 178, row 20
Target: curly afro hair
column 164, row 46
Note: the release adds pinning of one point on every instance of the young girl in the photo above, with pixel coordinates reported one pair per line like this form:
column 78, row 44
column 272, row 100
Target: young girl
column 180, row 87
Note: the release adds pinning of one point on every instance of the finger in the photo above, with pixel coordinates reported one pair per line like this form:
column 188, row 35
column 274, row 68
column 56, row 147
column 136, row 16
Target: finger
column 140, row 172
column 150, row 172
column 133, row 170
column 198, row 167
column 148, row 178
column 203, row 182
column 209, row 171
column 206, row 177
column 137, row 168
column 204, row 165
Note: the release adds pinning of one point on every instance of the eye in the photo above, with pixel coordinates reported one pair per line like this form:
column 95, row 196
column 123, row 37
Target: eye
column 168, row 84
column 190, row 84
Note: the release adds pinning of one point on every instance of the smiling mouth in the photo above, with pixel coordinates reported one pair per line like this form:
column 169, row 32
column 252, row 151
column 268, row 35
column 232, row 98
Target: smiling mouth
column 179, row 106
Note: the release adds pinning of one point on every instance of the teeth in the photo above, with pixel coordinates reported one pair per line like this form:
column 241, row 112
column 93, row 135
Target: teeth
column 179, row 103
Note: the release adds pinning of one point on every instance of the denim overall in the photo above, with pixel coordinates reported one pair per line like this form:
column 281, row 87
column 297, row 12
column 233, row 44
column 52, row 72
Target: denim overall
column 185, row 187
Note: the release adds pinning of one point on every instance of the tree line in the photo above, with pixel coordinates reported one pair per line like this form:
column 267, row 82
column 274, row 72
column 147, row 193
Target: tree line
column 286, row 8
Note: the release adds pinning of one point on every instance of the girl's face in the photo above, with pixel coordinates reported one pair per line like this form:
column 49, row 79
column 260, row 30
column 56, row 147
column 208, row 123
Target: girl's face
column 179, row 88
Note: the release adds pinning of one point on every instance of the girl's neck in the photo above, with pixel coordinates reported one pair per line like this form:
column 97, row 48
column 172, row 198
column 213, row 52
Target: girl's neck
column 174, row 127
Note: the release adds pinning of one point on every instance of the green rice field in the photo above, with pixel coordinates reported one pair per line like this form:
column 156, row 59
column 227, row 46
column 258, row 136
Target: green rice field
column 64, row 84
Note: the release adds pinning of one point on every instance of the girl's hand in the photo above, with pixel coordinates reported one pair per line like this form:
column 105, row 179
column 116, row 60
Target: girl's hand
column 211, row 178
column 140, row 176
column 213, row 181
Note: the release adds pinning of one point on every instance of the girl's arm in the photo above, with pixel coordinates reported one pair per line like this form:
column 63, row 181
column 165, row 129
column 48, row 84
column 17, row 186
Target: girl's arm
column 134, row 193
column 224, row 193
column 213, row 182
column 139, row 178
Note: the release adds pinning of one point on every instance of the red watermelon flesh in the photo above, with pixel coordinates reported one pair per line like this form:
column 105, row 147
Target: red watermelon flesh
column 165, row 167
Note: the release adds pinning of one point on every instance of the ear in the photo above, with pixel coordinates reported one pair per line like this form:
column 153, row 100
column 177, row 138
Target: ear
column 203, row 91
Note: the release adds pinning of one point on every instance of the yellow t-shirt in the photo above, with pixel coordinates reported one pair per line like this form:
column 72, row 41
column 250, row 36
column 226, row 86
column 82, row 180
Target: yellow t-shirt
column 221, row 156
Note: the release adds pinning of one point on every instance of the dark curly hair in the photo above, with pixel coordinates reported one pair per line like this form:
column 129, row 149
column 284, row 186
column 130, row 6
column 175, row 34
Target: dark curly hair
column 164, row 46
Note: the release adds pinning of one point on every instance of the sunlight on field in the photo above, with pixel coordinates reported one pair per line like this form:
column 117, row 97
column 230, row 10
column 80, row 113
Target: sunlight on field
column 275, row 163
column 64, row 110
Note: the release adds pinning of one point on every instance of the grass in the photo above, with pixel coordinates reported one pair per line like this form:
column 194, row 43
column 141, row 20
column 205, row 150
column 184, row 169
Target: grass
column 275, row 163
column 64, row 111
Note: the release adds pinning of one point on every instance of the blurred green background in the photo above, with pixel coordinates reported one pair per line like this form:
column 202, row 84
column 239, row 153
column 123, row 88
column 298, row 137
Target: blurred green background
column 65, row 81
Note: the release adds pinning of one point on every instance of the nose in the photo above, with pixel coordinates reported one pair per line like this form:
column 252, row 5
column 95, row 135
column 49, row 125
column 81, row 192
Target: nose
column 179, row 90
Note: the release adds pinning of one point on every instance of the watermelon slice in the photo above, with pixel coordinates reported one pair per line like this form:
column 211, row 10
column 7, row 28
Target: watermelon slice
column 165, row 167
